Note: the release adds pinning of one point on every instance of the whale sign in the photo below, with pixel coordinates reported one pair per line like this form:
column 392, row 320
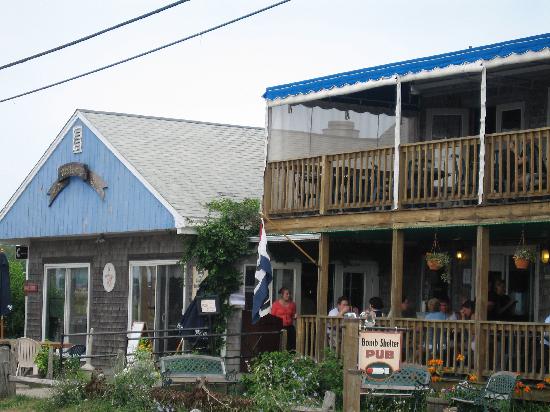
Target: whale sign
column 379, row 353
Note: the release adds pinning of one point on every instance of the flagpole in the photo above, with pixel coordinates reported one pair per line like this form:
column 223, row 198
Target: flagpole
column 293, row 242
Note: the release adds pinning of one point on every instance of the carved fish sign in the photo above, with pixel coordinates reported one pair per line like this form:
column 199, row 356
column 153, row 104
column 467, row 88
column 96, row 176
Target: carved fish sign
column 74, row 169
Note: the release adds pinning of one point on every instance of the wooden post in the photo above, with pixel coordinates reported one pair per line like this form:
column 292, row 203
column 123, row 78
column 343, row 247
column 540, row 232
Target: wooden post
column 322, row 293
column 267, row 189
column 352, row 381
column 326, row 175
column 49, row 373
column 397, row 253
column 482, row 294
column 8, row 366
column 88, row 365
column 283, row 343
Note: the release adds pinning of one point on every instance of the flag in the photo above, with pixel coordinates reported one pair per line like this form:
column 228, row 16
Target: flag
column 261, row 304
column 5, row 294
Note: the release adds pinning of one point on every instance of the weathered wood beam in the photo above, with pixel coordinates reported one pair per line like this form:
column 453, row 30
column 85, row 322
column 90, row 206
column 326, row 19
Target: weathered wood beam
column 482, row 294
column 322, row 294
column 352, row 381
column 397, row 254
column 415, row 218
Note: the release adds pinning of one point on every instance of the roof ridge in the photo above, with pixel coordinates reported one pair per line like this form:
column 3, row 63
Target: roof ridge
column 167, row 119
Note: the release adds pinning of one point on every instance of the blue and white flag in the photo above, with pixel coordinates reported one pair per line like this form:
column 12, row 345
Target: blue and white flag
column 261, row 304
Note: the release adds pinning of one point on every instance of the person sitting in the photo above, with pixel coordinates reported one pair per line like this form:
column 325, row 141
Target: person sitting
column 375, row 306
column 444, row 308
column 467, row 310
column 406, row 310
column 285, row 309
column 503, row 308
column 434, row 313
column 342, row 307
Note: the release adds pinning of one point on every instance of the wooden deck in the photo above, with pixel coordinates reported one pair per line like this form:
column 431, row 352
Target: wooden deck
column 432, row 175
column 510, row 346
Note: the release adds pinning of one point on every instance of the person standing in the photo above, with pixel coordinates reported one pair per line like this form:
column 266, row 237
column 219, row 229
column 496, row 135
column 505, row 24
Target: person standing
column 285, row 309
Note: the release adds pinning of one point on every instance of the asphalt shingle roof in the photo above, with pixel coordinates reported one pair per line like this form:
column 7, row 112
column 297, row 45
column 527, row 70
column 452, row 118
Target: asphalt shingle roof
column 189, row 163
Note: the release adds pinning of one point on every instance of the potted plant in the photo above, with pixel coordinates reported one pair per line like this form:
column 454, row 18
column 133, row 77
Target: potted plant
column 439, row 260
column 523, row 256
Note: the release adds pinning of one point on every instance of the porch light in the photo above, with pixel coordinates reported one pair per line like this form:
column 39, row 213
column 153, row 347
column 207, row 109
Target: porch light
column 459, row 254
column 544, row 256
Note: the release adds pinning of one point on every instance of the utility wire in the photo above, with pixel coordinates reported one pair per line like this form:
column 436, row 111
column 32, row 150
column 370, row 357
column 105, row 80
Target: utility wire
column 91, row 36
column 211, row 29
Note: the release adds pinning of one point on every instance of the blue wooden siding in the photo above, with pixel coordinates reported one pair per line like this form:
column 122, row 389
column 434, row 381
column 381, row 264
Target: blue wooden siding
column 78, row 210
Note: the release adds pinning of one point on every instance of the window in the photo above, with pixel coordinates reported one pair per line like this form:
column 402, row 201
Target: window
column 510, row 117
column 77, row 139
column 66, row 302
column 446, row 123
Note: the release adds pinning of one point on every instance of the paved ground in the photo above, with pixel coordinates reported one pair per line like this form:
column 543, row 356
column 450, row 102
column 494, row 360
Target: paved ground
column 33, row 392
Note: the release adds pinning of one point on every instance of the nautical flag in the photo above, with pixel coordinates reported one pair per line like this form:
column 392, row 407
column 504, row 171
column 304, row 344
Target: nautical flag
column 261, row 304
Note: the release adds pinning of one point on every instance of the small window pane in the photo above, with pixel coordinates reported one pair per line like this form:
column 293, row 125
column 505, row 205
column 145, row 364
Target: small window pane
column 78, row 304
column 55, row 304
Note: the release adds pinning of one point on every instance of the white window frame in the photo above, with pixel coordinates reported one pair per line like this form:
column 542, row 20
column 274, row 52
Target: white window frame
column 368, row 268
column 65, row 308
column 297, row 284
column 156, row 263
column 510, row 106
column 430, row 113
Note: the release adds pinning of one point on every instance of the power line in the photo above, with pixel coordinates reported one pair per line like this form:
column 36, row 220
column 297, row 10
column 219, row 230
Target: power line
column 211, row 29
column 91, row 36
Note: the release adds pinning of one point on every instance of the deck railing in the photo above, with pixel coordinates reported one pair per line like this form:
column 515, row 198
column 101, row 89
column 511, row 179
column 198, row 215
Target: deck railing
column 517, row 163
column 516, row 347
column 440, row 173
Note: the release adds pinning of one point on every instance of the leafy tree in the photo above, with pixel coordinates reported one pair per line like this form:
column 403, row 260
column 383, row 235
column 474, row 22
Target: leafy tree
column 15, row 321
column 221, row 240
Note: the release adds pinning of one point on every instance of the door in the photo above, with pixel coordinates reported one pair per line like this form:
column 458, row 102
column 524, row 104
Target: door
column 359, row 284
column 157, row 298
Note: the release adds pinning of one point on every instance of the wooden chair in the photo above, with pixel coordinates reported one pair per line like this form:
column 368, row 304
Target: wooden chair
column 26, row 352
column 329, row 404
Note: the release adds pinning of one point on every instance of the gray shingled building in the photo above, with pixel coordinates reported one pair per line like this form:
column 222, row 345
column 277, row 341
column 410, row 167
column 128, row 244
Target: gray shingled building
column 104, row 213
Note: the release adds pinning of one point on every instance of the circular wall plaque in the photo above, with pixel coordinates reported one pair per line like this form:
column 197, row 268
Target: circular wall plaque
column 109, row 277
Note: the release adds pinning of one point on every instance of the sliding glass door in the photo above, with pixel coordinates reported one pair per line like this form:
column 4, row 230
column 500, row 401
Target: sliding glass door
column 66, row 302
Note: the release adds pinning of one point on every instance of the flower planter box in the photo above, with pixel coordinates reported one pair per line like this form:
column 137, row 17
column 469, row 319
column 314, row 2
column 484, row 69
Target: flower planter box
column 434, row 264
column 436, row 404
column 521, row 263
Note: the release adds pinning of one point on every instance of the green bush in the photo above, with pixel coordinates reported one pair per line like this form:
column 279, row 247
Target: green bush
column 70, row 364
column 279, row 380
column 15, row 321
column 331, row 375
column 132, row 384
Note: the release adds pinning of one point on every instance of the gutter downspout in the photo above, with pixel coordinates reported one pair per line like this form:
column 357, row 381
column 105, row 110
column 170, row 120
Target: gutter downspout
column 397, row 143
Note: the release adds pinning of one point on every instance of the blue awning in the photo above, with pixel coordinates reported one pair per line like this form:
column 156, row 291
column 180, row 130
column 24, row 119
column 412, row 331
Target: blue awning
column 504, row 49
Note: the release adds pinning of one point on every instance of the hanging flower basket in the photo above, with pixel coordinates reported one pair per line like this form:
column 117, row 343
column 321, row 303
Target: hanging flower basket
column 440, row 260
column 523, row 256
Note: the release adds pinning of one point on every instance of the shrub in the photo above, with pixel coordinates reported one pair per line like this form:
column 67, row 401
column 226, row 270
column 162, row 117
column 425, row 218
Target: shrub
column 331, row 375
column 70, row 364
column 279, row 380
column 132, row 383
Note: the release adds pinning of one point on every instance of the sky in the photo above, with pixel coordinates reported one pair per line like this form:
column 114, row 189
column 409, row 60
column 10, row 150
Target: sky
column 220, row 76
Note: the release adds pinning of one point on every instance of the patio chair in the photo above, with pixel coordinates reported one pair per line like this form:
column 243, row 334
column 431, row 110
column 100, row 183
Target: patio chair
column 26, row 352
column 496, row 394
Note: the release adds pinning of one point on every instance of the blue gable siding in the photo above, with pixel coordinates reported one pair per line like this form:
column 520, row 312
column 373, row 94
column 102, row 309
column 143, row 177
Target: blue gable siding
column 128, row 205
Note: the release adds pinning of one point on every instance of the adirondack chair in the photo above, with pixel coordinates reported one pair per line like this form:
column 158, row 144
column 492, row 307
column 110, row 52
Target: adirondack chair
column 496, row 394
column 26, row 352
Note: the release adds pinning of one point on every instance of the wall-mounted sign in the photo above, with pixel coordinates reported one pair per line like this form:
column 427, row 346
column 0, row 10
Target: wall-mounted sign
column 109, row 277
column 30, row 287
column 21, row 252
column 80, row 170
column 379, row 353
column 209, row 306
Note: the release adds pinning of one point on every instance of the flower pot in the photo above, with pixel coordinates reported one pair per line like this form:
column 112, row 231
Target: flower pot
column 521, row 263
column 434, row 264
column 436, row 404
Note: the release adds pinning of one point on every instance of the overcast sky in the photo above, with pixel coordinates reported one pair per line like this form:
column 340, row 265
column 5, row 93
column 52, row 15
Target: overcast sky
column 221, row 76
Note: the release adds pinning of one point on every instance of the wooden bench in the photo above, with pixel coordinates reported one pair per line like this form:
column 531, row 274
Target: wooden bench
column 190, row 368
column 409, row 381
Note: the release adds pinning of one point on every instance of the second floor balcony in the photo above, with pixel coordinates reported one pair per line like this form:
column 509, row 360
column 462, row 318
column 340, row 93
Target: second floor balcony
column 432, row 174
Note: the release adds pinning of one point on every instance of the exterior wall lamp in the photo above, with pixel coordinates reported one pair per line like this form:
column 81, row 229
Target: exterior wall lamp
column 459, row 254
column 544, row 256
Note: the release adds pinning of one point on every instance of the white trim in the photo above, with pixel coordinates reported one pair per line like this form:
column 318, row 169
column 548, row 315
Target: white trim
column 474, row 67
column 296, row 237
column 463, row 113
column 369, row 269
column 510, row 106
column 26, row 297
column 482, row 115
column 179, row 221
column 156, row 263
column 65, row 308
column 397, row 144
column 296, row 268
